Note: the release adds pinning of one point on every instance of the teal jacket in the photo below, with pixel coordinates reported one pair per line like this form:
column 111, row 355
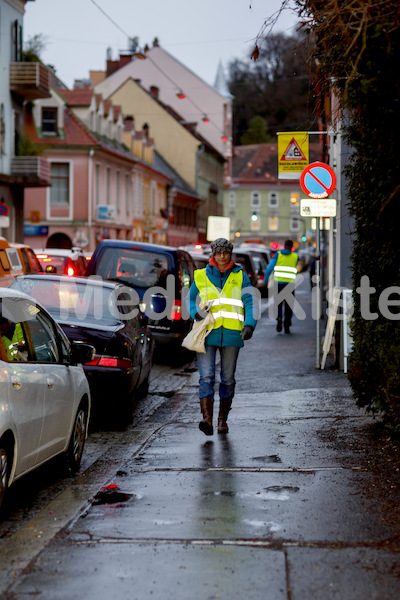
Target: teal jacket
column 225, row 337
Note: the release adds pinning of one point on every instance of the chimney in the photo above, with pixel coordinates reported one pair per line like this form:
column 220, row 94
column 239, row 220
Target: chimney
column 154, row 91
column 129, row 123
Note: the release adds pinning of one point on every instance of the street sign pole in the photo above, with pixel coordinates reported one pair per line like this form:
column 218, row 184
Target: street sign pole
column 318, row 297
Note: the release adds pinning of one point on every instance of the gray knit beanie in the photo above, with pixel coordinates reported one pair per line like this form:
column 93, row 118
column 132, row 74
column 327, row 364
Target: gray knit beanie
column 221, row 244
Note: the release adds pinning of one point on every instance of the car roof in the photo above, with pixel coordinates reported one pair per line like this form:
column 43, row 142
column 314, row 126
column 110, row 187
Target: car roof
column 126, row 244
column 93, row 280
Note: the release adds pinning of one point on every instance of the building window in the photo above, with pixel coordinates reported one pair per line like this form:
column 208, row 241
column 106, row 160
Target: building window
column 273, row 223
column 49, row 120
column 118, row 191
column 59, row 190
column 273, row 200
column 255, row 200
column 295, row 224
column 16, row 49
column 232, row 199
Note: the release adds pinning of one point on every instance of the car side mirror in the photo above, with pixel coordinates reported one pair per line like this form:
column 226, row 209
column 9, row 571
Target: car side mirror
column 82, row 353
column 51, row 269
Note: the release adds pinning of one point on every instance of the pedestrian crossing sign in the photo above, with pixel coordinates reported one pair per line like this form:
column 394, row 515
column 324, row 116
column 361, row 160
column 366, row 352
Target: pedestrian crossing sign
column 293, row 154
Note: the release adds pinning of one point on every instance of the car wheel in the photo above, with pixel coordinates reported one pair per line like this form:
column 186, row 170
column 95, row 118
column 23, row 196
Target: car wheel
column 3, row 473
column 77, row 441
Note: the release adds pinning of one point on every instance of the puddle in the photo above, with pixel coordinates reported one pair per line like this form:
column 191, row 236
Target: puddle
column 111, row 496
column 273, row 458
column 272, row 527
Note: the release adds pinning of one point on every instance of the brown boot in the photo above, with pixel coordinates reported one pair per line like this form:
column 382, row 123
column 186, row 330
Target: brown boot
column 206, row 426
column 224, row 408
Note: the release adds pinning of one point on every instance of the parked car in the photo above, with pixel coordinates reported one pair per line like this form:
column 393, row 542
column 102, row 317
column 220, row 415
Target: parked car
column 28, row 259
column 62, row 261
column 104, row 315
column 244, row 258
column 146, row 268
column 260, row 258
column 200, row 260
column 44, row 394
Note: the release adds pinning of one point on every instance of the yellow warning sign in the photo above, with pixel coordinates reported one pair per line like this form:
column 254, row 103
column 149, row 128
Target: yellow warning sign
column 293, row 154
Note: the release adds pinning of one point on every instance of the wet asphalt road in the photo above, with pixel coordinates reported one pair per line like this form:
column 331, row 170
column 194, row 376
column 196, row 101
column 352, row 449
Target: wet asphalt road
column 280, row 508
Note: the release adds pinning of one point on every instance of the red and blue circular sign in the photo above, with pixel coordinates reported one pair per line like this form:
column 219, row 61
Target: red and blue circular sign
column 3, row 209
column 318, row 180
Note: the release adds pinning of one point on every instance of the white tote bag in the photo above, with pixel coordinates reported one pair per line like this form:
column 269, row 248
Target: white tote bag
column 195, row 339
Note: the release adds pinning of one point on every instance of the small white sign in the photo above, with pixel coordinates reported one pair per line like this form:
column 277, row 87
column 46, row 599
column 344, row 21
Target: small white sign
column 106, row 211
column 311, row 207
column 218, row 227
column 4, row 222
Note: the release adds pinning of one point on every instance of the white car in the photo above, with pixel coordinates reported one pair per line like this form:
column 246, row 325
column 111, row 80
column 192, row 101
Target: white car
column 44, row 393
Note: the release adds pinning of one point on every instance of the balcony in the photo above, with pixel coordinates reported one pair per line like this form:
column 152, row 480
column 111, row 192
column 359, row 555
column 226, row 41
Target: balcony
column 30, row 171
column 31, row 80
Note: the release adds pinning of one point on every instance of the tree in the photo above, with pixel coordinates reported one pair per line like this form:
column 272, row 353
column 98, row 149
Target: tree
column 34, row 47
column 276, row 87
column 357, row 48
column 256, row 133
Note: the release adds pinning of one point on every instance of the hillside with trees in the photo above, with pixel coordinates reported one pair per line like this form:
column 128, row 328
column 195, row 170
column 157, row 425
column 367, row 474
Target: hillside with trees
column 277, row 89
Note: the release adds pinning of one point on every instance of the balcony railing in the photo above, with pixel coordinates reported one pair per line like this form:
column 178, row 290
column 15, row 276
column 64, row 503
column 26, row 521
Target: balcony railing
column 30, row 171
column 30, row 80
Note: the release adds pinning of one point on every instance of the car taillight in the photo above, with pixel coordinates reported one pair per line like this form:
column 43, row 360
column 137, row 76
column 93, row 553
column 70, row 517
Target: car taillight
column 70, row 268
column 176, row 311
column 111, row 361
column 41, row 256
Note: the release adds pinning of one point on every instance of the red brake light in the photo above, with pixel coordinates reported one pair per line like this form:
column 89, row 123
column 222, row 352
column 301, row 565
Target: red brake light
column 70, row 272
column 109, row 361
column 176, row 311
column 41, row 256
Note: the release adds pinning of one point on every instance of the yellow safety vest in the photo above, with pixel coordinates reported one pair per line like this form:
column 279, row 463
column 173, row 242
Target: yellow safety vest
column 225, row 305
column 285, row 269
column 18, row 336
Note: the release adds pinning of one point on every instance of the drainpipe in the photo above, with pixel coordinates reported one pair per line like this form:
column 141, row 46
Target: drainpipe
column 90, row 199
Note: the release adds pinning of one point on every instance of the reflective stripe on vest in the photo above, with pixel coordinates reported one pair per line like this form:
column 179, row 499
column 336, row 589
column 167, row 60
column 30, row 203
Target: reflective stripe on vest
column 226, row 306
column 285, row 269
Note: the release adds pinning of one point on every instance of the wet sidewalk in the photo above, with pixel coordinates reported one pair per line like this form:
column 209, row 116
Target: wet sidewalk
column 287, row 506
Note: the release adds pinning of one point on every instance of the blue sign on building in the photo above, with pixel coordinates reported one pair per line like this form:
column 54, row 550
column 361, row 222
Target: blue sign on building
column 36, row 230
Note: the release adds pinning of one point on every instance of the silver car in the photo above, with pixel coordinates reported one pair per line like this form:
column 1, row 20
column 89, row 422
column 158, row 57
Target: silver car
column 44, row 394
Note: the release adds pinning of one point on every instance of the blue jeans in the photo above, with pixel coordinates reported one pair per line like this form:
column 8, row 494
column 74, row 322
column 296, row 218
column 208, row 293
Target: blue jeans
column 206, row 365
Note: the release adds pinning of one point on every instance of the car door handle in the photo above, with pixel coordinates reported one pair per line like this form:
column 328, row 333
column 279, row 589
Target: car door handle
column 50, row 383
column 15, row 382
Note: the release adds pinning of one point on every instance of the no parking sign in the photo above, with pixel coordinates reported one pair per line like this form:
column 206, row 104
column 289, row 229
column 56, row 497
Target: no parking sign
column 318, row 180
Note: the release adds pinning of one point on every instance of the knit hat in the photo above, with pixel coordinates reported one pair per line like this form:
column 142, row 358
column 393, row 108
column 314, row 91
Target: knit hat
column 221, row 244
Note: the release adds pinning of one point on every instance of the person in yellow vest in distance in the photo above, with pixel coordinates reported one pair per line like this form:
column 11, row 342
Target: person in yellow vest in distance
column 12, row 334
column 221, row 288
column 284, row 266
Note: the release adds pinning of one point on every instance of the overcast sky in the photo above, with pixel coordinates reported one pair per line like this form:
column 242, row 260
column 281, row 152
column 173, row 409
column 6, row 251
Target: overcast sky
column 199, row 33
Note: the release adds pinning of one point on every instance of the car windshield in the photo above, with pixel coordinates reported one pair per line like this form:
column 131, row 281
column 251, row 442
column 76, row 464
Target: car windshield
column 134, row 267
column 60, row 262
column 73, row 301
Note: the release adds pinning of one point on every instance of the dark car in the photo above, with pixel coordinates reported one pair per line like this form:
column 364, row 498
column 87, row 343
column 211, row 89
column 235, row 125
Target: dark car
column 200, row 260
column 160, row 275
column 104, row 315
column 260, row 259
column 244, row 258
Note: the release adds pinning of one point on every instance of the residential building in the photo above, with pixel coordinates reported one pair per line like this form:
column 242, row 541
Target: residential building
column 20, row 82
column 99, row 187
column 260, row 205
column 189, row 120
